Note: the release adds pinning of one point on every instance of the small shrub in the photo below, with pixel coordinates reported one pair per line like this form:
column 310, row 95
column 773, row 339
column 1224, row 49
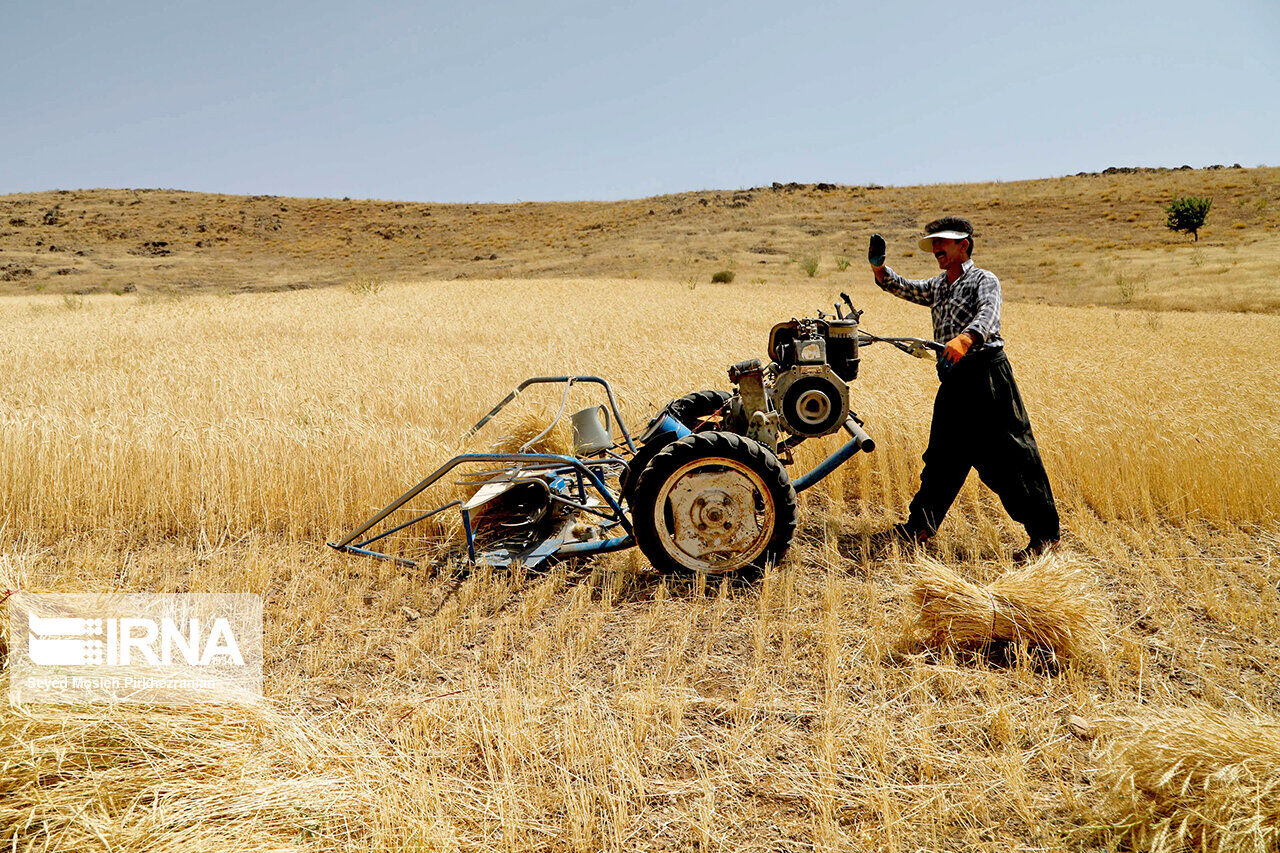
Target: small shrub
column 810, row 265
column 842, row 263
column 1126, row 288
column 722, row 277
column 73, row 301
column 365, row 285
column 1129, row 287
column 1187, row 214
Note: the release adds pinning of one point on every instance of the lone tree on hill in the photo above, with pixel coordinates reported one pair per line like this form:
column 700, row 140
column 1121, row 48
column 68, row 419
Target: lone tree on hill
column 1188, row 214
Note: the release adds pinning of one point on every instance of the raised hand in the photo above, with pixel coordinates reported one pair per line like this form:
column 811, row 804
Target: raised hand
column 876, row 251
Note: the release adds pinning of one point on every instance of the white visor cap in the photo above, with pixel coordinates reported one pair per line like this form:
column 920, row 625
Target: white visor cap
column 926, row 242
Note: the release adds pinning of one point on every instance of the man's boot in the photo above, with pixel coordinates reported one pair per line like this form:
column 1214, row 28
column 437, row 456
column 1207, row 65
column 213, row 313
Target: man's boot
column 1035, row 549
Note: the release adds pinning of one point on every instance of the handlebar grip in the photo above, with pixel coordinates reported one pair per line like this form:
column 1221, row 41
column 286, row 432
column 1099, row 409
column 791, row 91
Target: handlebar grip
column 865, row 442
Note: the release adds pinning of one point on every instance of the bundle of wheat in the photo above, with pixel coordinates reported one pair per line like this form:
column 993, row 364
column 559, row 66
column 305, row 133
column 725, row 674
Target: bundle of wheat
column 536, row 430
column 240, row 777
column 1191, row 779
column 1050, row 604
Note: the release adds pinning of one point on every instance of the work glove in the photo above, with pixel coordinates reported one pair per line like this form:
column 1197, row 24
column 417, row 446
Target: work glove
column 876, row 251
column 957, row 348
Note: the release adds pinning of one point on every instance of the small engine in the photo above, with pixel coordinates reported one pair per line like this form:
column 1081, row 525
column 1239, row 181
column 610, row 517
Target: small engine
column 804, row 391
column 813, row 362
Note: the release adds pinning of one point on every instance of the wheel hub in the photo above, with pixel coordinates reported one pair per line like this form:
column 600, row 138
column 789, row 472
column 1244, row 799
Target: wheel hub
column 714, row 512
column 813, row 407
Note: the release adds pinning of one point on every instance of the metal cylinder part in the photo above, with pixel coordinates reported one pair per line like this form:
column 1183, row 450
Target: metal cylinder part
column 865, row 442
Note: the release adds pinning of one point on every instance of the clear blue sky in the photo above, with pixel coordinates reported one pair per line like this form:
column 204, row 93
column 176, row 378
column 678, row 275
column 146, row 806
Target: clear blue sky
column 561, row 99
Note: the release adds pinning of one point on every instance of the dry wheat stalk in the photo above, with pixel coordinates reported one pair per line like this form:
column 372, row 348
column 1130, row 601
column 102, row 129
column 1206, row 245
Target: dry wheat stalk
column 1191, row 779
column 529, row 427
column 246, row 430
column 1052, row 604
column 243, row 777
column 11, row 581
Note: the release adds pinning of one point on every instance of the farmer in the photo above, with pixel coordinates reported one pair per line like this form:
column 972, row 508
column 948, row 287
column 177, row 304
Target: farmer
column 978, row 417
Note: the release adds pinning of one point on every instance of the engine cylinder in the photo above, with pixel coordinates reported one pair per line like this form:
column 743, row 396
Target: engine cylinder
column 842, row 349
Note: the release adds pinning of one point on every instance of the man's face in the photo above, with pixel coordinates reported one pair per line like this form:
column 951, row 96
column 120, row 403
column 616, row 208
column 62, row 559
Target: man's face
column 949, row 251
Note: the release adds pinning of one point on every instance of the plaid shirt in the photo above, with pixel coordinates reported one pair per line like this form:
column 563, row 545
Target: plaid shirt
column 971, row 304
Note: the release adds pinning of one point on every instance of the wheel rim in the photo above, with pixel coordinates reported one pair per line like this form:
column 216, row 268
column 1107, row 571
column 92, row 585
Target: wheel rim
column 715, row 515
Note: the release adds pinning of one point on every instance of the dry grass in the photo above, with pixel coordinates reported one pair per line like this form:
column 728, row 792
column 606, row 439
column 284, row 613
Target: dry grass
column 213, row 443
column 10, row 582
column 1195, row 779
column 236, row 777
column 1097, row 239
column 1051, row 604
column 299, row 413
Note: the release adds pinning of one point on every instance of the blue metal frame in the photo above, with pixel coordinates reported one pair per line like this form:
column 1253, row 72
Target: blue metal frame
column 563, row 466
column 861, row 441
column 618, row 515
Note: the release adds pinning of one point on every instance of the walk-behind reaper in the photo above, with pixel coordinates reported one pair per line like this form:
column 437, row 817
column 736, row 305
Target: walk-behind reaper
column 704, row 488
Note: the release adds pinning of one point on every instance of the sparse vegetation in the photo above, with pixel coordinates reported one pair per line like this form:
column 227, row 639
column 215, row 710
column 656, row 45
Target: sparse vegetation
column 1188, row 214
column 809, row 263
column 259, row 242
column 365, row 284
column 1126, row 288
column 842, row 263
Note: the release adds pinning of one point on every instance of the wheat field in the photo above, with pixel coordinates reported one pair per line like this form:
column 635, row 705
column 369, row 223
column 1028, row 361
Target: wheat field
column 214, row 442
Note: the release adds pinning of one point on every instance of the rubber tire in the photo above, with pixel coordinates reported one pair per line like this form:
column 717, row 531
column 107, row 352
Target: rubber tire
column 646, row 515
column 691, row 408
column 689, row 411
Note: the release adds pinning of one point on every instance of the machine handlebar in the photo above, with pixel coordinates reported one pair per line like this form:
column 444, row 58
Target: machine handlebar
column 919, row 347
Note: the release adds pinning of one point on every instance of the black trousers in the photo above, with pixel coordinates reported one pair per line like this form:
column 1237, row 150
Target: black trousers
column 979, row 422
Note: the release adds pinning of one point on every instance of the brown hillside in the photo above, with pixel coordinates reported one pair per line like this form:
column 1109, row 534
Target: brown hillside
column 1097, row 238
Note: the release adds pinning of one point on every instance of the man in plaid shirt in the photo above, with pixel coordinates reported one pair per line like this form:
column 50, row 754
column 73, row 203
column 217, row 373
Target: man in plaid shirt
column 978, row 417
